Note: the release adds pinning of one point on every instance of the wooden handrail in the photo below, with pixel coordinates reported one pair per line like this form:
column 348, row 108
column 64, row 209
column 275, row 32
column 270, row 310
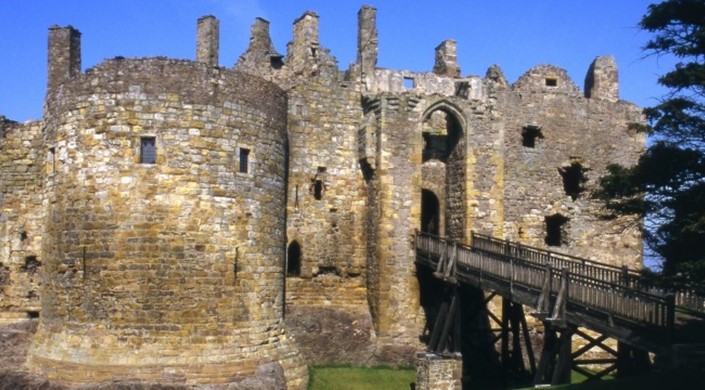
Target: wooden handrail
column 595, row 293
column 686, row 300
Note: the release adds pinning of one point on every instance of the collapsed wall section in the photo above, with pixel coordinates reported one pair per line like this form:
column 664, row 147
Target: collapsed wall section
column 326, row 273
column 21, row 169
column 558, row 144
column 325, row 182
column 164, row 227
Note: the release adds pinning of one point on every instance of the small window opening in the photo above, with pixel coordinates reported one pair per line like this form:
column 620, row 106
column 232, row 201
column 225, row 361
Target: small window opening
column 32, row 314
column 327, row 270
column 529, row 134
column 318, row 189
column 23, row 235
column 551, row 82
column 276, row 62
column 555, row 230
column 408, row 83
column 462, row 89
column 573, row 179
column 148, row 150
column 244, row 160
column 51, row 160
column 314, row 52
column 293, row 259
column 317, row 186
column 31, row 264
column 296, row 196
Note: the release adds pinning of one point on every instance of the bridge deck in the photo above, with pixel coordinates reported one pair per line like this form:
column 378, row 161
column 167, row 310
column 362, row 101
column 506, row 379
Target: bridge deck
column 600, row 297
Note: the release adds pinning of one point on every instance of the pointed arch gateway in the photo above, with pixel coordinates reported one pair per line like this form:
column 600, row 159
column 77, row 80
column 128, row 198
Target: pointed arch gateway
column 443, row 167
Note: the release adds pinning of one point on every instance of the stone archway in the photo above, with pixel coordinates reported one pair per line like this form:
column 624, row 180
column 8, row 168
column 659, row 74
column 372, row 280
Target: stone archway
column 443, row 169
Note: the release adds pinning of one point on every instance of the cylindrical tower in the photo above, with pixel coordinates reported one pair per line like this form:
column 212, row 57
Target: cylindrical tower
column 164, row 241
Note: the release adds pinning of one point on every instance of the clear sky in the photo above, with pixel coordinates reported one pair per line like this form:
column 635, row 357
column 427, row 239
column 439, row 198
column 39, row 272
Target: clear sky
column 515, row 34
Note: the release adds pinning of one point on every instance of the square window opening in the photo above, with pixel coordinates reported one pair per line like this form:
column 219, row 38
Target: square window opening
column 409, row 83
column 148, row 150
column 551, row 82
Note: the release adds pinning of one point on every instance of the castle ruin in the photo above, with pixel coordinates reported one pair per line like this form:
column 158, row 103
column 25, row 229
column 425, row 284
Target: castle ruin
column 164, row 217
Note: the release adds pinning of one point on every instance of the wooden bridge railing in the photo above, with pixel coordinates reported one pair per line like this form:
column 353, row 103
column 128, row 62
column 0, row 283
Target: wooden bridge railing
column 539, row 274
column 576, row 265
column 684, row 299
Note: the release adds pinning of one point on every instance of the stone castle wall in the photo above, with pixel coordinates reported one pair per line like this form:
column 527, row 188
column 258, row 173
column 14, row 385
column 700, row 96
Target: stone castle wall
column 21, row 223
column 195, row 263
column 577, row 135
column 169, row 271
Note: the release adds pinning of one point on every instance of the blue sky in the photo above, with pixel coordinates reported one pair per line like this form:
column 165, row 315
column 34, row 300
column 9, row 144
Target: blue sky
column 515, row 34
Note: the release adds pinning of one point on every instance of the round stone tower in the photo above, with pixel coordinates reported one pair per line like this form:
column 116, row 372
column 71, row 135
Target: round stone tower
column 164, row 241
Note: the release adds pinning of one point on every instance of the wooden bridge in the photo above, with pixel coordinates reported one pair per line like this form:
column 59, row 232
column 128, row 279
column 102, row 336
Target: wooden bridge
column 568, row 294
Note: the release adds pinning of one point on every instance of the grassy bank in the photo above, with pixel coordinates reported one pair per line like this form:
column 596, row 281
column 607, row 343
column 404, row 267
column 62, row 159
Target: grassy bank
column 383, row 378
column 359, row 378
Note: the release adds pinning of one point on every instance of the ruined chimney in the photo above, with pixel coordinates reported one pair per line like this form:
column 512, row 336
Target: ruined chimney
column 260, row 54
column 305, row 44
column 64, row 55
column 602, row 79
column 446, row 59
column 367, row 39
column 207, row 40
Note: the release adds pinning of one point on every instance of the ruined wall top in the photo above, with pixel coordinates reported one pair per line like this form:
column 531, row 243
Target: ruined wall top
column 446, row 59
column 602, row 80
column 367, row 39
column 261, row 56
column 548, row 79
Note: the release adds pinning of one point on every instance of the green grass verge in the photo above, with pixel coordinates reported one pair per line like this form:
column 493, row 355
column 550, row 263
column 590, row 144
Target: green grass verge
column 670, row 380
column 360, row 378
column 385, row 378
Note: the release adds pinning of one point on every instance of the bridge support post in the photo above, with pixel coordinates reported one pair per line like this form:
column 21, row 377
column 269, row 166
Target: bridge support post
column 445, row 335
column 514, row 324
column 556, row 357
column 439, row 371
column 632, row 361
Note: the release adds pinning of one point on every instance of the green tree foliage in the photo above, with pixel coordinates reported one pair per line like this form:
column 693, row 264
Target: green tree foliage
column 667, row 186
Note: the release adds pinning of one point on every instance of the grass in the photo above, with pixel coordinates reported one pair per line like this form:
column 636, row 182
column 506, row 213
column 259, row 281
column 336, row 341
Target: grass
column 360, row 378
column 385, row 378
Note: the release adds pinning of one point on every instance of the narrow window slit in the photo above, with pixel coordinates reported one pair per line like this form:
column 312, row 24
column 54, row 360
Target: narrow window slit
column 293, row 260
column 244, row 160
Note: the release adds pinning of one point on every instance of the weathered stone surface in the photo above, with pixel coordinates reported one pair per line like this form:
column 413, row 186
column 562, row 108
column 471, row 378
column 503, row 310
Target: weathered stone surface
column 173, row 271
column 332, row 335
column 439, row 371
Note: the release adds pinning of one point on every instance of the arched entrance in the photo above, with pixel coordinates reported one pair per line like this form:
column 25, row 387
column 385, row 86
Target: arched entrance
column 293, row 260
column 430, row 212
column 443, row 171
